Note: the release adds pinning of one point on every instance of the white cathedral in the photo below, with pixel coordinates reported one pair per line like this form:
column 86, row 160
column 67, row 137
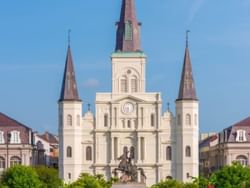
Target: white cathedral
column 164, row 145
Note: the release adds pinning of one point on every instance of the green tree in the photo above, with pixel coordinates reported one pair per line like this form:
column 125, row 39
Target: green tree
column 168, row 184
column 88, row 181
column 20, row 177
column 234, row 176
column 49, row 177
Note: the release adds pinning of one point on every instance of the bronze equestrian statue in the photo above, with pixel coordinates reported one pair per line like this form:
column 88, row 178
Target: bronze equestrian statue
column 129, row 170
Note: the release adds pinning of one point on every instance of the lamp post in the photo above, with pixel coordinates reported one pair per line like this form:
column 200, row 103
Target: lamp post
column 7, row 144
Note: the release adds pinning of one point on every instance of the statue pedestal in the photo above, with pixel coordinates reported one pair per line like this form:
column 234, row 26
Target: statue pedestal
column 129, row 185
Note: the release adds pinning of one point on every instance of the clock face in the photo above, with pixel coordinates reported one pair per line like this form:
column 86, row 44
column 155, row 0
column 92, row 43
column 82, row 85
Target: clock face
column 128, row 108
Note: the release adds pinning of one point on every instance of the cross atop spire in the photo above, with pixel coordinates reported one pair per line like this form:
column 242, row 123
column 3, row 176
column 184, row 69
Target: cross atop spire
column 187, row 38
column 69, row 90
column 187, row 87
column 69, row 31
column 128, row 29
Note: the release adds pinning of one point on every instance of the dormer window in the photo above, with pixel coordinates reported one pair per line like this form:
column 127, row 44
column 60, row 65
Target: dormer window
column 1, row 137
column 128, row 31
column 15, row 137
column 241, row 136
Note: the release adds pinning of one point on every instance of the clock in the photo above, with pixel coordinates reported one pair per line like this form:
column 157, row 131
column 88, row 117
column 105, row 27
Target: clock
column 128, row 108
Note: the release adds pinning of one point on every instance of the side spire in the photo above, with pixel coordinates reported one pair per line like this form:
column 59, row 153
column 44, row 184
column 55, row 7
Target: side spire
column 128, row 29
column 187, row 89
column 69, row 89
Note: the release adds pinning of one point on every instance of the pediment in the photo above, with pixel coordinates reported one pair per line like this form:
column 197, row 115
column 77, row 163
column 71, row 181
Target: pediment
column 128, row 97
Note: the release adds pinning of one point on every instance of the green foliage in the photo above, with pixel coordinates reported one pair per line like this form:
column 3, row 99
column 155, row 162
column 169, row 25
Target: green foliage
column 168, row 184
column 88, row 181
column 234, row 176
column 48, row 177
column 20, row 177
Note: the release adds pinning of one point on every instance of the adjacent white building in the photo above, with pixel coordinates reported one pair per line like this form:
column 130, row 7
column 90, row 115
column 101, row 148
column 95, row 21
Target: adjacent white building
column 163, row 144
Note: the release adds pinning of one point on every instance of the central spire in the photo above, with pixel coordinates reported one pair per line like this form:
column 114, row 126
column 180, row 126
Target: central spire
column 128, row 29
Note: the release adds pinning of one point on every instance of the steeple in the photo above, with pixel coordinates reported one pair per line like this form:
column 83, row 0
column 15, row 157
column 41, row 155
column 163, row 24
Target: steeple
column 69, row 91
column 187, row 87
column 128, row 29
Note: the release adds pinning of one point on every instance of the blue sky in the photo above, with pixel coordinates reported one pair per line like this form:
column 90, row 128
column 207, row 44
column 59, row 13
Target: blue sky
column 33, row 42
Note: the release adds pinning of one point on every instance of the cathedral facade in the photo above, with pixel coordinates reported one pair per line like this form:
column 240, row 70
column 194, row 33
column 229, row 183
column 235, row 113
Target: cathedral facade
column 163, row 144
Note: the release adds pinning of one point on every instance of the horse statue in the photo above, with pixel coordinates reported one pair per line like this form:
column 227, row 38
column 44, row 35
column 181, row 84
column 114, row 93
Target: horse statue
column 129, row 170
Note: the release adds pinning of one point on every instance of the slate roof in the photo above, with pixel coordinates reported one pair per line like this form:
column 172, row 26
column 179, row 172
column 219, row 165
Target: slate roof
column 49, row 138
column 69, row 89
column 6, row 121
column 187, row 89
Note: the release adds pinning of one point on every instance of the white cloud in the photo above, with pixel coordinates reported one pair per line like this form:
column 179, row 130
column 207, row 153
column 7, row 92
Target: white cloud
column 91, row 83
column 196, row 6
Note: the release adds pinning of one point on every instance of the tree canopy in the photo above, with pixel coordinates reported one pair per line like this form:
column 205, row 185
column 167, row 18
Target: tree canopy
column 20, row 177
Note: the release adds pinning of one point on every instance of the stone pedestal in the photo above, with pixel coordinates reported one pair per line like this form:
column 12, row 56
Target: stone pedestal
column 129, row 185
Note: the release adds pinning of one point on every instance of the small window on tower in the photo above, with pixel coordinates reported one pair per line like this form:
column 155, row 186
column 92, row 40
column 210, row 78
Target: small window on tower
column 133, row 85
column 169, row 153
column 89, row 153
column 179, row 119
column 188, row 119
column 188, row 151
column 124, row 85
column 69, row 120
column 69, row 152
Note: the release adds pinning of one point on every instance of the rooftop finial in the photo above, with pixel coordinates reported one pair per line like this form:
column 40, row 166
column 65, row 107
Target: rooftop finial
column 88, row 107
column 69, row 31
column 188, row 31
column 168, row 106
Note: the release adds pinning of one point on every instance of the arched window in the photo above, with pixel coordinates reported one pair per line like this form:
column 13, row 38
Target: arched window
column 78, row 121
column 188, row 151
column 89, row 153
column 69, row 120
column 188, row 119
column 134, row 87
column 124, row 85
column 15, row 161
column 179, row 119
column 69, row 152
column 2, row 163
column 132, row 152
column 242, row 160
column 152, row 120
column 168, row 153
column 105, row 120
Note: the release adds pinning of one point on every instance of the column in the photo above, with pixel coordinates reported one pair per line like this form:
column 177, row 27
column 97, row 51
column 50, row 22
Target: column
column 112, row 149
